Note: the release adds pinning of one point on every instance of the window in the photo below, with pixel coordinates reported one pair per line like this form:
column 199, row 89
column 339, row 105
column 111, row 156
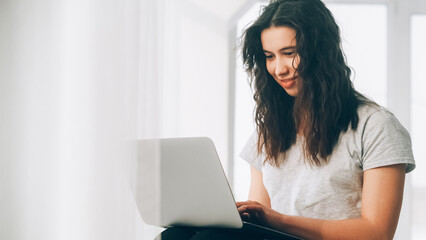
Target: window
column 418, row 118
column 244, row 107
column 364, row 41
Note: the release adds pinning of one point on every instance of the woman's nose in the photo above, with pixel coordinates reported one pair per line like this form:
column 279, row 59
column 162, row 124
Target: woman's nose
column 281, row 68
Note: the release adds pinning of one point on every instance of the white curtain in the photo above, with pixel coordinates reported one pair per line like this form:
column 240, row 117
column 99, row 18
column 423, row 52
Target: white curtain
column 70, row 96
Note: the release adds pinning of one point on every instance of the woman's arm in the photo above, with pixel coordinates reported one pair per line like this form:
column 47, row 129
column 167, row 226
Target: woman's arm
column 257, row 190
column 381, row 203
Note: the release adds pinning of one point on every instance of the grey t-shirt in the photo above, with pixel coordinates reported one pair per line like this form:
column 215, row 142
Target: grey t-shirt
column 333, row 190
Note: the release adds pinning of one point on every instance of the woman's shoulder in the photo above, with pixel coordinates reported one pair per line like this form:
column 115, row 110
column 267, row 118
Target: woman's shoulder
column 382, row 138
column 378, row 122
column 374, row 113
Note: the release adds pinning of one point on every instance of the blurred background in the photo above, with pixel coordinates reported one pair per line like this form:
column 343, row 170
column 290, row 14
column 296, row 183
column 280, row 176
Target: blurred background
column 80, row 79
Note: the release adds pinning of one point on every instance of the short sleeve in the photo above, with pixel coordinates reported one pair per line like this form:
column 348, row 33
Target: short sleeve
column 385, row 142
column 250, row 153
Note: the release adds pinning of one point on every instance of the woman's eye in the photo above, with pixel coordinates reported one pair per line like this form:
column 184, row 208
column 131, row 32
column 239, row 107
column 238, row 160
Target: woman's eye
column 289, row 53
column 268, row 56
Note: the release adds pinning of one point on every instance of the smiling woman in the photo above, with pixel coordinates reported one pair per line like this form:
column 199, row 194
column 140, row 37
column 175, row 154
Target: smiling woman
column 279, row 46
column 322, row 151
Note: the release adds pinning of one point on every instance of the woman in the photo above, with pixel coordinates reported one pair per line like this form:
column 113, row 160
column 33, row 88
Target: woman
column 326, row 162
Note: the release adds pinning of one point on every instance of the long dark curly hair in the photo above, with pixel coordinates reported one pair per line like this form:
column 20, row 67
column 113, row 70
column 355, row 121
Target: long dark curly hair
column 327, row 102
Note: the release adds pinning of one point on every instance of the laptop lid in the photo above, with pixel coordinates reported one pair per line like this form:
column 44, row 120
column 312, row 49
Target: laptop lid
column 181, row 182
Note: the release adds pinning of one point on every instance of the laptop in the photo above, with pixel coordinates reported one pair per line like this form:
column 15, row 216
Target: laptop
column 181, row 182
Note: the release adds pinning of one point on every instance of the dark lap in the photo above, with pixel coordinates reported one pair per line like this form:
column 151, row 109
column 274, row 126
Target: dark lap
column 203, row 234
column 175, row 233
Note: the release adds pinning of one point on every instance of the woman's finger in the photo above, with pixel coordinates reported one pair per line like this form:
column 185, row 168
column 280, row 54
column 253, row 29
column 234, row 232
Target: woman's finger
column 249, row 202
column 245, row 217
column 252, row 209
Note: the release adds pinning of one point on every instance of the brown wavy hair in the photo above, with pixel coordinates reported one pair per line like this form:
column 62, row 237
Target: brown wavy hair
column 327, row 102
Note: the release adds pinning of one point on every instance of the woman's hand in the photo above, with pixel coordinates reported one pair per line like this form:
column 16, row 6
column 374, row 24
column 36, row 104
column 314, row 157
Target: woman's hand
column 254, row 212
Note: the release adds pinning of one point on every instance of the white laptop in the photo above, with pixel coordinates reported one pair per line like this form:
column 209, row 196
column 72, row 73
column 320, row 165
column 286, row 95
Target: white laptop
column 181, row 182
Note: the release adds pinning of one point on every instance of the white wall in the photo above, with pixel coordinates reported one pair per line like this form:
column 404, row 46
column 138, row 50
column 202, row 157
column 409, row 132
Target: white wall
column 68, row 77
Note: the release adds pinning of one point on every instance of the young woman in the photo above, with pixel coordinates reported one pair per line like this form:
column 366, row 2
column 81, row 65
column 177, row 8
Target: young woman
column 326, row 162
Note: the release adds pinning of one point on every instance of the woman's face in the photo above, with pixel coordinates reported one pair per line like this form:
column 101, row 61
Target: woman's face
column 279, row 46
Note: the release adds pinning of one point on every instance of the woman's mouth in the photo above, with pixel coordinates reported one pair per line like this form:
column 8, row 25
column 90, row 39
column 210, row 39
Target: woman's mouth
column 289, row 82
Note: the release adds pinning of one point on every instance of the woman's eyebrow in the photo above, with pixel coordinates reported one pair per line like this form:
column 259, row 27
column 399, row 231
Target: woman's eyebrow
column 288, row 48
column 282, row 49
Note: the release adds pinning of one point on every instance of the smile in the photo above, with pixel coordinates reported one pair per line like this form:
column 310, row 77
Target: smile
column 289, row 82
column 289, row 79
